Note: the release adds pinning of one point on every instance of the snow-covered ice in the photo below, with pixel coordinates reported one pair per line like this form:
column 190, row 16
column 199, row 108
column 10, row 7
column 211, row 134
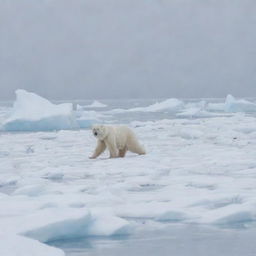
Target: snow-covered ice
column 94, row 104
column 234, row 105
column 197, row 170
column 169, row 104
column 31, row 113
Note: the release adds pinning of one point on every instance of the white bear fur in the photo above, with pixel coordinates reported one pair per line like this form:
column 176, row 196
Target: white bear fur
column 118, row 140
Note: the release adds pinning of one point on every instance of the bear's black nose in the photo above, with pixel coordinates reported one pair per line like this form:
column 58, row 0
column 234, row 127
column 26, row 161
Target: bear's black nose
column 95, row 133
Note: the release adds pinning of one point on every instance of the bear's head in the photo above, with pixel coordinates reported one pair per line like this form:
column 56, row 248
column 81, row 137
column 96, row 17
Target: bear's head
column 99, row 131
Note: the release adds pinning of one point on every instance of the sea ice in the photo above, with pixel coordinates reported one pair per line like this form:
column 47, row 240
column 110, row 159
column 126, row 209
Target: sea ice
column 234, row 105
column 169, row 104
column 195, row 171
column 33, row 113
column 84, row 224
column 166, row 105
column 194, row 112
column 215, row 107
column 95, row 104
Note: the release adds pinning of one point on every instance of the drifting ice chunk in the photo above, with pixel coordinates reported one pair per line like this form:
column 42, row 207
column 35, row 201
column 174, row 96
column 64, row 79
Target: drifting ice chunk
column 95, row 104
column 85, row 225
column 170, row 104
column 234, row 105
column 34, row 113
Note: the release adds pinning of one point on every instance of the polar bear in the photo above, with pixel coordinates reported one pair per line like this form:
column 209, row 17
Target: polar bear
column 118, row 139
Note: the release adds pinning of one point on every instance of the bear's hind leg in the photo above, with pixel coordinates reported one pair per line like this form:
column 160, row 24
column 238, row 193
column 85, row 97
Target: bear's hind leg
column 135, row 147
column 122, row 152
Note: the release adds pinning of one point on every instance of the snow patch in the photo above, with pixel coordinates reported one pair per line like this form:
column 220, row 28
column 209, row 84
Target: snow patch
column 31, row 190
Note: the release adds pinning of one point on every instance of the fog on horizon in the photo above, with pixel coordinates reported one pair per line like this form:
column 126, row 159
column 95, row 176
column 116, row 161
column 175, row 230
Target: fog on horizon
column 94, row 49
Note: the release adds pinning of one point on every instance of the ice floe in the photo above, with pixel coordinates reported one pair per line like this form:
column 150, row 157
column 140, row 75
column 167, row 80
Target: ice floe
column 241, row 105
column 83, row 224
column 33, row 113
column 169, row 104
column 95, row 104
column 166, row 105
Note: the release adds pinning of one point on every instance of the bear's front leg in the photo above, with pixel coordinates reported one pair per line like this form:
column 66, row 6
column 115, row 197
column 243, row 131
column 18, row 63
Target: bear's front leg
column 101, row 146
column 112, row 149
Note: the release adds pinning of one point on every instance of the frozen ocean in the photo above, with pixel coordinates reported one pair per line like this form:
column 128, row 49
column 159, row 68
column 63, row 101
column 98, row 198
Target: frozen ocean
column 193, row 193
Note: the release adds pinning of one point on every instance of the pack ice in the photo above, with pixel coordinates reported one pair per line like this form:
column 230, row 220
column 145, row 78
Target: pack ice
column 33, row 113
column 197, row 171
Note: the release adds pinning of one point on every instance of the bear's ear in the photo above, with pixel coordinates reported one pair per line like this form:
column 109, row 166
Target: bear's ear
column 102, row 128
column 95, row 126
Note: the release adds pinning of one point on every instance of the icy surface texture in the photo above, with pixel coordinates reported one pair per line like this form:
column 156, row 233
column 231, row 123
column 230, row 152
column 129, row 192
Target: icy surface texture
column 196, row 171
column 199, row 168
column 22, row 246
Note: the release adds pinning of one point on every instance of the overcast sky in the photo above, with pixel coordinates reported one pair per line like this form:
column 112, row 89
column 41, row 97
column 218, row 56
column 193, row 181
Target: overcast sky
column 84, row 49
